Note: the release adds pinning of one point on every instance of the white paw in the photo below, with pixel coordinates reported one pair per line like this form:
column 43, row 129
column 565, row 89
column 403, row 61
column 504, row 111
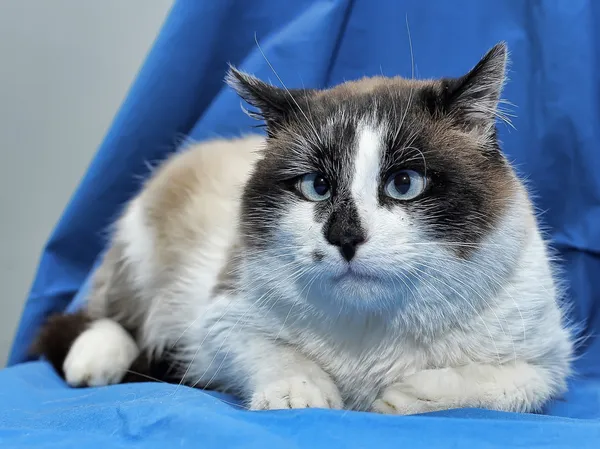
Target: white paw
column 425, row 391
column 394, row 402
column 100, row 356
column 297, row 392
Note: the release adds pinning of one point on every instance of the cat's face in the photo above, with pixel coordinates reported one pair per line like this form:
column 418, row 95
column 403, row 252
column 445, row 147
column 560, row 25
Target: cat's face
column 367, row 187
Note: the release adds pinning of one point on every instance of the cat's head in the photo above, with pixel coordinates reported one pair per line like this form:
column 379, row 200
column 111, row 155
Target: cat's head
column 368, row 187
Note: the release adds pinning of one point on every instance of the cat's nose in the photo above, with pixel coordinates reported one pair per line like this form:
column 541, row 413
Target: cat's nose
column 347, row 244
column 344, row 230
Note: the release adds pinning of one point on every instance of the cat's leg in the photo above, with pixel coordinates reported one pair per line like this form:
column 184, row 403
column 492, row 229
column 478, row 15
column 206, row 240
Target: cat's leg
column 268, row 374
column 285, row 379
column 516, row 387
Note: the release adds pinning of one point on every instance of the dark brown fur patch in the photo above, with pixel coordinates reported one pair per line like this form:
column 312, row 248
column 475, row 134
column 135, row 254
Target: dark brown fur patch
column 146, row 369
column 57, row 336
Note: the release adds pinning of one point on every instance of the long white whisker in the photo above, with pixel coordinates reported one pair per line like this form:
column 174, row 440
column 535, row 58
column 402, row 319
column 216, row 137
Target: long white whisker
column 310, row 123
column 489, row 307
column 460, row 295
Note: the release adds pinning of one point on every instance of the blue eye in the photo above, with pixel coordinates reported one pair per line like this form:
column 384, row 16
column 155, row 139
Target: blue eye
column 405, row 185
column 314, row 187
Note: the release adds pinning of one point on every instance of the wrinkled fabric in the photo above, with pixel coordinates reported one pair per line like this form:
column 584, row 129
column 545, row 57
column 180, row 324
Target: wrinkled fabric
column 179, row 95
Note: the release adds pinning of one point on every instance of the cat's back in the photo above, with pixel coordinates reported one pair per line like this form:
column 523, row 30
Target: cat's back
column 199, row 189
column 187, row 212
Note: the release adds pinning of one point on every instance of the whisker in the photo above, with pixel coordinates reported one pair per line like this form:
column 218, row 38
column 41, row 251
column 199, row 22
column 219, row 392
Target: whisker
column 316, row 134
column 460, row 295
column 146, row 376
column 489, row 307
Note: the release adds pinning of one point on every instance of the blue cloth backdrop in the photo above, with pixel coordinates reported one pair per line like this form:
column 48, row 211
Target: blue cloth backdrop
column 179, row 93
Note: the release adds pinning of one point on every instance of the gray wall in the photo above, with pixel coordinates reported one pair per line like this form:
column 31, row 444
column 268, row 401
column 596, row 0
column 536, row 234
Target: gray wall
column 65, row 66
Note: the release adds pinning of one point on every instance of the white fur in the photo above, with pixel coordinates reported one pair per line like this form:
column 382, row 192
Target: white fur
column 139, row 243
column 517, row 387
column 414, row 329
column 297, row 392
column 100, row 356
column 367, row 163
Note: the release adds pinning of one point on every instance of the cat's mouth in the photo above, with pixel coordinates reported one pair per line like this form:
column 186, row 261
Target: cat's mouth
column 353, row 274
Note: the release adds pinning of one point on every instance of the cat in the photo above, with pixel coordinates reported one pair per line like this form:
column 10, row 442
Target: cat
column 374, row 251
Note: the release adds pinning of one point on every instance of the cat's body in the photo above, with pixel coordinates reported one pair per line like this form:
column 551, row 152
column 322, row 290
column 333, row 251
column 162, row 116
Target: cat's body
column 351, row 293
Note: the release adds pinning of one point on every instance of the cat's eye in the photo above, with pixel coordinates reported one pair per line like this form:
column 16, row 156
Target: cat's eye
column 405, row 185
column 314, row 187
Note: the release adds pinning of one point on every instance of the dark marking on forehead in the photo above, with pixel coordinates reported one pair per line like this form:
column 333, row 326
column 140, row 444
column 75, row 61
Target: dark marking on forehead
column 294, row 152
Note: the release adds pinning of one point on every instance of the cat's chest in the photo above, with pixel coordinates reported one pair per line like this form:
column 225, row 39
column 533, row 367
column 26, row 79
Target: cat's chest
column 362, row 367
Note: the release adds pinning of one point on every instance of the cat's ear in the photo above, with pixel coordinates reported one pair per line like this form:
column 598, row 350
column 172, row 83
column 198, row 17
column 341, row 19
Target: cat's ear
column 473, row 98
column 275, row 105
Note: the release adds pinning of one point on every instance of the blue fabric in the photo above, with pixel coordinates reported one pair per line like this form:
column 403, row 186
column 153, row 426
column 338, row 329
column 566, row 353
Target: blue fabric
column 38, row 411
column 179, row 93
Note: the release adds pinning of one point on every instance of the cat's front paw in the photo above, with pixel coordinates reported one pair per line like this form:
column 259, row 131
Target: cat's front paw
column 425, row 391
column 297, row 392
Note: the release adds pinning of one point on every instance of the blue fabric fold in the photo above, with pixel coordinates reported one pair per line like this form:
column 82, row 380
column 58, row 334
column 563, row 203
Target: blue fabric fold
column 179, row 95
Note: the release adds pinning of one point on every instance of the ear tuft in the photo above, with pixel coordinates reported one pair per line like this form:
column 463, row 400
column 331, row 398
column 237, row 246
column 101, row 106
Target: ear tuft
column 473, row 99
column 249, row 88
column 275, row 105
